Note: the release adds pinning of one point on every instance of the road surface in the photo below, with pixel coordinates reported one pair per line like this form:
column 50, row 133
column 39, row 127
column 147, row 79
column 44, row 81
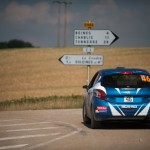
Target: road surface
column 64, row 130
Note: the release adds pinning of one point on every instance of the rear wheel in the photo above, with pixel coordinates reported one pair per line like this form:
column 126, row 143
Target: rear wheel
column 86, row 119
column 94, row 124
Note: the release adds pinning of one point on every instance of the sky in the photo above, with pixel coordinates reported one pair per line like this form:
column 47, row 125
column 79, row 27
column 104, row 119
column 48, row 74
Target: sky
column 36, row 21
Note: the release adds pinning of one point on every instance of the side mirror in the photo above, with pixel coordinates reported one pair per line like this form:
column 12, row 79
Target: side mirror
column 85, row 87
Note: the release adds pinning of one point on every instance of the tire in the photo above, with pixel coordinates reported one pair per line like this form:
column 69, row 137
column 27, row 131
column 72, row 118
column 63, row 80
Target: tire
column 86, row 119
column 94, row 124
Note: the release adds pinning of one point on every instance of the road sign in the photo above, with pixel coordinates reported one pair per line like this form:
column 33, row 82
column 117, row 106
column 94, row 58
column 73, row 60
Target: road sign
column 89, row 25
column 88, row 60
column 88, row 49
column 94, row 37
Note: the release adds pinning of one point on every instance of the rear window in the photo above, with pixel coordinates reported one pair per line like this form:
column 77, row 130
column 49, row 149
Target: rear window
column 126, row 81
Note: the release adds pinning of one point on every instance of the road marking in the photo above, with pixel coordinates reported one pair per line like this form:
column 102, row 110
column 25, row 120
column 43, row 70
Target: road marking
column 53, row 140
column 10, row 120
column 57, row 136
column 24, row 124
column 33, row 129
column 27, row 136
column 13, row 146
column 76, row 130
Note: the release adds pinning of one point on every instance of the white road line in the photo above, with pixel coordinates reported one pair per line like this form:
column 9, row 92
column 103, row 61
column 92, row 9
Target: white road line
column 10, row 120
column 27, row 136
column 76, row 130
column 33, row 129
column 53, row 140
column 13, row 146
column 24, row 124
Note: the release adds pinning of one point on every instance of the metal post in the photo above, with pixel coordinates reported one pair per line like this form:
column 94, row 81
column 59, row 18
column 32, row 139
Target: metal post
column 88, row 71
column 58, row 22
column 88, row 75
column 88, row 67
column 65, row 22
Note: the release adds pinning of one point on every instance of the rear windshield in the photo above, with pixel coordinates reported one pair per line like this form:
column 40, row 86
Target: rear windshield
column 126, row 81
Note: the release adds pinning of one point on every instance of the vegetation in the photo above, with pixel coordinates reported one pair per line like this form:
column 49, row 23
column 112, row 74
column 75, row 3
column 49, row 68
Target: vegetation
column 51, row 102
column 37, row 72
column 15, row 43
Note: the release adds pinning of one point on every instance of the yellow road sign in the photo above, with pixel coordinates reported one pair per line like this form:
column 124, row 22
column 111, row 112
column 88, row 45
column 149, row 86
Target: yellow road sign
column 89, row 25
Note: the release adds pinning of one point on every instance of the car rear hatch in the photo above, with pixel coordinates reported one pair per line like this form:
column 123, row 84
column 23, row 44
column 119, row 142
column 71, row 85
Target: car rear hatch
column 127, row 88
column 128, row 95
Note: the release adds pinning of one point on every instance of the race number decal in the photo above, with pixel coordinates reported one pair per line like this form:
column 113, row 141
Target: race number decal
column 145, row 78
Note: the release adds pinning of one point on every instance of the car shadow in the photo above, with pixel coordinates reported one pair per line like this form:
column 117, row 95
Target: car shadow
column 119, row 125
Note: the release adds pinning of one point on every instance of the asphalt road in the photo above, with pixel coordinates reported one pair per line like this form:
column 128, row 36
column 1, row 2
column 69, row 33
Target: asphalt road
column 64, row 130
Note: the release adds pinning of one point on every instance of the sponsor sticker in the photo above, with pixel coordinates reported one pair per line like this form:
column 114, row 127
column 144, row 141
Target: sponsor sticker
column 129, row 107
column 101, row 109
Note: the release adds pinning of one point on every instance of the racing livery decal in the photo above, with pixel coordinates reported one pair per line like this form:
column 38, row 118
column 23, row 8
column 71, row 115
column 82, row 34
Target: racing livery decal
column 144, row 112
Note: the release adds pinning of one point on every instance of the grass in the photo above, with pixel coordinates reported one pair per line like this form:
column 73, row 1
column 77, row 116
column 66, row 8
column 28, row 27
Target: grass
column 36, row 72
column 51, row 102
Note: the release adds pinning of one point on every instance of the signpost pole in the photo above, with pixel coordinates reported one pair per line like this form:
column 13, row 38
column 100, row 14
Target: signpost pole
column 88, row 71
column 89, row 25
column 88, row 74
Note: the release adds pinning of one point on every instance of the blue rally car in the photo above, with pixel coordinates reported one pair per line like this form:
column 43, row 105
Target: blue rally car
column 117, row 94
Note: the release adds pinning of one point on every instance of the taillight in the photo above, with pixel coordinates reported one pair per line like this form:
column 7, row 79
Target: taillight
column 148, row 98
column 100, row 94
column 126, row 72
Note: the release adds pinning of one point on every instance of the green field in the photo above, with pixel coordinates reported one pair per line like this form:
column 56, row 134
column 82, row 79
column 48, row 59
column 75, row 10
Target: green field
column 37, row 72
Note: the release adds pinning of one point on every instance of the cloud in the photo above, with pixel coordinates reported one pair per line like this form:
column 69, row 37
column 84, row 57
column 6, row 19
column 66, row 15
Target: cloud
column 104, row 7
column 21, row 13
column 37, row 20
column 104, row 12
column 115, row 15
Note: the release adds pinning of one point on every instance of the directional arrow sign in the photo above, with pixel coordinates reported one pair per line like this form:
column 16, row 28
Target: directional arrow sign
column 94, row 37
column 82, row 60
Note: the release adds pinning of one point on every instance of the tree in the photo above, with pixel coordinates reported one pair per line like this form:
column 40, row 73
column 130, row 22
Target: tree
column 3, row 45
column 18, row 44
column 15, row 43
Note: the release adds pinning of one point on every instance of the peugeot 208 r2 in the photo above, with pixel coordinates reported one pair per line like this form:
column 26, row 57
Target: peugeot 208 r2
column 116, row 94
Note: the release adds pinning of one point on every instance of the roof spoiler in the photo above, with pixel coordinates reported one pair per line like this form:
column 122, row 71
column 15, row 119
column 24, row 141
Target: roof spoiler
column 120, row 68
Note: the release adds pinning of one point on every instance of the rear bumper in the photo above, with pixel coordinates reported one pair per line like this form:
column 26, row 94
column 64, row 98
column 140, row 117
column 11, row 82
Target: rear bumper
column 104, row 110
column 122, row 118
